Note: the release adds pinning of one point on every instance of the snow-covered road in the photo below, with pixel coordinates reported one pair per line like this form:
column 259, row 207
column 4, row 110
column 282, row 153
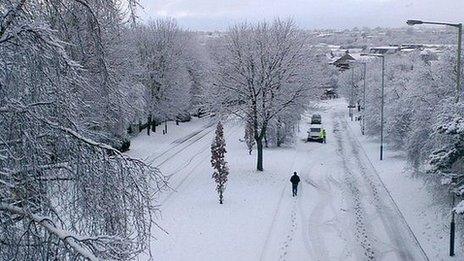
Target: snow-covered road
column 342, row 211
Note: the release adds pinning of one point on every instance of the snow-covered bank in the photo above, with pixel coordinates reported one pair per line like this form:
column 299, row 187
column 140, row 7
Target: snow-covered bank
column 426, row 217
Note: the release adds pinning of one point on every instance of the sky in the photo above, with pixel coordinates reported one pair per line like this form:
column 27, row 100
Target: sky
column 211, row 15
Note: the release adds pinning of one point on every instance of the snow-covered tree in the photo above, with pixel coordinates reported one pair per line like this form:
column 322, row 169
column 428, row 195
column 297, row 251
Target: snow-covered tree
column 161, row 46
column 65, row 193
column 447, row 158
column 421, row 116
column 260, row 73
column 249, row 138
column 218, row 161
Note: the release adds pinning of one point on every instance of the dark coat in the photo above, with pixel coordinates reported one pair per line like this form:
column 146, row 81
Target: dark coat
column 295, row 179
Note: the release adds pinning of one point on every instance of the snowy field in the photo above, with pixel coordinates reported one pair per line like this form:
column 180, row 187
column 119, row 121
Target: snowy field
column 342, row 211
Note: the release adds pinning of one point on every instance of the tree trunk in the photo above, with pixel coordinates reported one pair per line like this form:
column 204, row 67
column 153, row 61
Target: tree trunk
column 259, row 148
column 148, row 125
column 153, row 126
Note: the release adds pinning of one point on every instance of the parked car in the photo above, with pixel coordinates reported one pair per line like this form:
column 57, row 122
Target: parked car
column 314, row 133
column 316, row 119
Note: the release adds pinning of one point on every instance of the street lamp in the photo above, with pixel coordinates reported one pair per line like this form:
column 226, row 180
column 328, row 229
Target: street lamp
column 351, row 95
column 452, row 223
column 382, row 102
column 458, row 66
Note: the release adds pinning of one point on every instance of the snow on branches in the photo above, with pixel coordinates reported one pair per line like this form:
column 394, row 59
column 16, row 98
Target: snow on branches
column 421, row 115
column 448, row 159
column 262, row 72
column 167, row 72
column 65, row 192
column 218, row 162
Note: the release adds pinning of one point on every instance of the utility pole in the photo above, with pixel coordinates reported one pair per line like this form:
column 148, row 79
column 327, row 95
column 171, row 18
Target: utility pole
column 382, row 99
column 352, row 93
column 364, row 100
column 382, row 105
column 452, row 228
column 452, row 223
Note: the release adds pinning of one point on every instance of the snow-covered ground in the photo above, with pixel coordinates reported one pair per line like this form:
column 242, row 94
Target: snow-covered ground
column 342, row 212
column 426, row 216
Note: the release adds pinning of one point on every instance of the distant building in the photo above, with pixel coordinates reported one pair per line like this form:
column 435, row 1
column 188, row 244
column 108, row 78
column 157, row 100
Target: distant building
column 412, row 46
column 343, row 62
column 384, row 50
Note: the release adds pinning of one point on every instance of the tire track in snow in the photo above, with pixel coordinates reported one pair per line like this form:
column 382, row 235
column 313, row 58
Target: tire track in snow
column 193, row 138
column 305, row 231
column 180, row 168
column 194, row 167
column 363, row 235
column 312, row 238
column 313, row 223
column 287, row 243
column 269, row 232
column 304, row 220
column 388, row 214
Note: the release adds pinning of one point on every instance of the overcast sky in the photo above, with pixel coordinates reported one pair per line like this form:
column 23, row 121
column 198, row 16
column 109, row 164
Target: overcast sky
column 337, row 14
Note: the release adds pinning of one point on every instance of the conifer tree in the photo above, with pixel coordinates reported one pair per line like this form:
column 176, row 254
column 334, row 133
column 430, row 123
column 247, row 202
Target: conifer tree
column 218, row 151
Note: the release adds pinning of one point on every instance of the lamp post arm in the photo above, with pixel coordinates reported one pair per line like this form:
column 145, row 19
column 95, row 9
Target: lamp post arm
column 440, row 23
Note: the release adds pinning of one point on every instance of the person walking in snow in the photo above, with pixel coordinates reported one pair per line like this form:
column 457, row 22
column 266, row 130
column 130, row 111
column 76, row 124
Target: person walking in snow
column 324, row 135
column 295, row 179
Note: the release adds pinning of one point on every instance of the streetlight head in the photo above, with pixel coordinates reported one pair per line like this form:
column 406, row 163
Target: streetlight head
column 414, row 22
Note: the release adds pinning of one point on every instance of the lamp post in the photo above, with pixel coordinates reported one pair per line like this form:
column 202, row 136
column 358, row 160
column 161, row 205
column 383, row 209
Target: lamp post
column 351, row 95
column 452, row 223
column 382, row 101
column 458, row 60
column 364, row 100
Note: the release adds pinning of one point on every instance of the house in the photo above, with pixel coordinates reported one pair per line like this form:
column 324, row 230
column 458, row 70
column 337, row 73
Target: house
column 343, row 62
column 384, row 50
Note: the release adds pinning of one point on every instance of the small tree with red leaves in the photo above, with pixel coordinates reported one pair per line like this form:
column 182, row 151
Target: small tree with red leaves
column 218, row 151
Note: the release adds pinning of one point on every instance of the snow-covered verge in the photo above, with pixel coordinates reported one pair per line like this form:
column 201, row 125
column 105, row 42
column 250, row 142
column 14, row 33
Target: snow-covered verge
column 426, row 215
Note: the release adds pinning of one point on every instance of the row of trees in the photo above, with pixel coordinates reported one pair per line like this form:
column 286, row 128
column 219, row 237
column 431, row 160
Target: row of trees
column 421, row 115
column 73, row 75
column 174, row 70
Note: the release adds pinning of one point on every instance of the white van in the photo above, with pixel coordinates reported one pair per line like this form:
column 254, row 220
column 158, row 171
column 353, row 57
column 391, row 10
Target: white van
column 314, row 132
